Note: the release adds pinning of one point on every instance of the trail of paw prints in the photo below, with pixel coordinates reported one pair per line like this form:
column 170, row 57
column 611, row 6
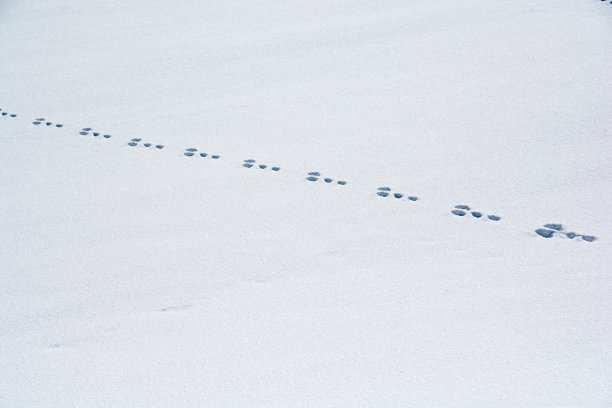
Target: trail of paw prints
column 251, row 163
column 386, row 192
column 5, row 113
column 89, row 131
column 550, row 230
column 462, row 210
column 135, row 142
column 315, row 176
column 192, row 151
column 45, row 122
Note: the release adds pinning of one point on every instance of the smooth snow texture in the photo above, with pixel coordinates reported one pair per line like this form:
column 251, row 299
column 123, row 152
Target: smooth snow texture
column 139, row 276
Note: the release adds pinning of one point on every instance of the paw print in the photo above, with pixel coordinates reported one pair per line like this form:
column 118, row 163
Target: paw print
column 462, row 209
column 43, row 121
column 134, row 142
column 5, row 113
column 87, row 131
column 249, row 163
column 191, row 151
column 550, row 230
column 314, row 176
column 386, row 192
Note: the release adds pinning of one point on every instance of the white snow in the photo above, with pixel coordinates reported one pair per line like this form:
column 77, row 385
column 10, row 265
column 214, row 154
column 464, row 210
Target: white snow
column 135, row 276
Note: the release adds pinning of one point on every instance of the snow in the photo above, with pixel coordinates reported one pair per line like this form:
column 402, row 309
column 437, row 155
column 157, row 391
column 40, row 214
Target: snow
column 138, row 276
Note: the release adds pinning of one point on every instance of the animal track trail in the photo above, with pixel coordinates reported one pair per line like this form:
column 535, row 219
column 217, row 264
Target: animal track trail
column 45, row 122
column 385, row 192
column 193, row 152
column 252, row 163
column 315, row 176
column 461, row 210
column 551, row 230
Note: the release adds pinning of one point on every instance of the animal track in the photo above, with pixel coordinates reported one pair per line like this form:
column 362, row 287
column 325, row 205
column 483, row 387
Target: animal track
column 191, row 151
column 4, row 113
column 86, row 131
column 550, row 230
column 135, row 141
column 175, row 308
column 462, row 209
column 43, row 121
column 315, row 175
column 248, row 163
column 386, row 192
column 57, row 345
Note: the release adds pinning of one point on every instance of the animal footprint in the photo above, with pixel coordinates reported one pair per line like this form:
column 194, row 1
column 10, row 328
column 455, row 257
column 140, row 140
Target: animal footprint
column 386, row 192
column 462, row 209
column 191, row 151
column 550, row 230
column 134, row 142
column 86, row 131
column 42, row 121
column 248, row 163
column 314, row 176
column 4, row 113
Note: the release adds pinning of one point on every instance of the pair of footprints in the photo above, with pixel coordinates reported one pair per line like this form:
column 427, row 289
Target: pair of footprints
column 134, row 142
column 4, row 113
column 550, row 230
column 249, row 163
column 462, row 209
column 41, row 121
column 191, row 151
column 85, row 132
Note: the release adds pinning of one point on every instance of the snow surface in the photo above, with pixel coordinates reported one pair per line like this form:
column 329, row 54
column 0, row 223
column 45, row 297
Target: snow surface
column 134, row 276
